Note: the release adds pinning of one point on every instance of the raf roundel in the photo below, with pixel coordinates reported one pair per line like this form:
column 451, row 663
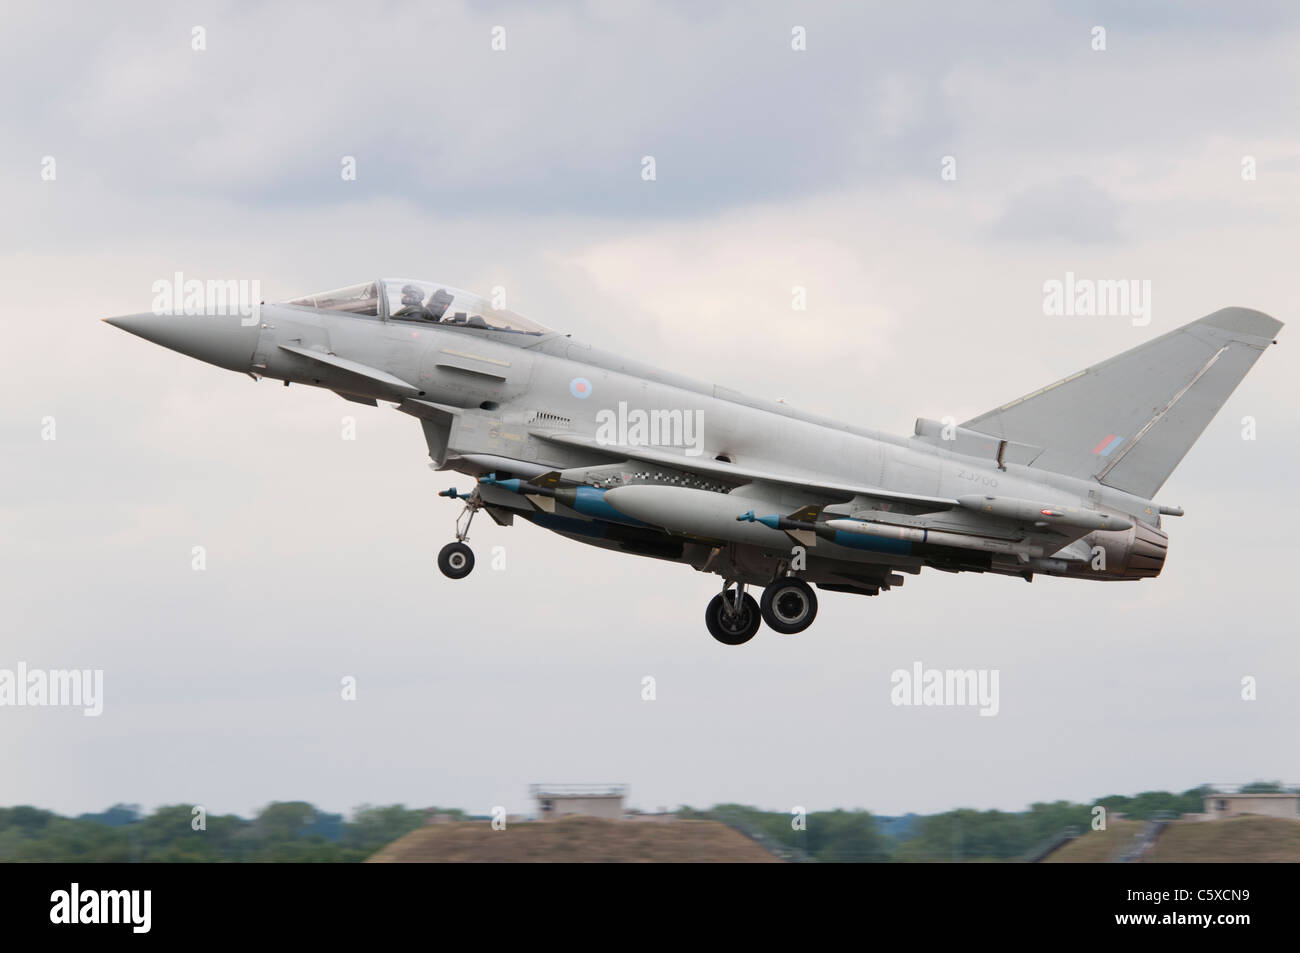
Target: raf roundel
column 580, row 387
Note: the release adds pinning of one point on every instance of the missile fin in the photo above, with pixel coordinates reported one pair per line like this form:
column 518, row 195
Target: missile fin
column 807, row 514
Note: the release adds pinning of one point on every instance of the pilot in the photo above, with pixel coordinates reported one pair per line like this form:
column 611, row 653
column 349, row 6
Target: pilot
column 439, row 301
column 412, row 303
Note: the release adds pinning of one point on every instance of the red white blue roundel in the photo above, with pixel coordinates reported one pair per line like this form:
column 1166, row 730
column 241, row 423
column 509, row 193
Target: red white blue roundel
column 580, row 387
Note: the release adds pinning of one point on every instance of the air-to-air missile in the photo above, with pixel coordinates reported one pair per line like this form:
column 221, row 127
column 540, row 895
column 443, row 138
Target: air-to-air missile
column 887, row 537
column 587, row 500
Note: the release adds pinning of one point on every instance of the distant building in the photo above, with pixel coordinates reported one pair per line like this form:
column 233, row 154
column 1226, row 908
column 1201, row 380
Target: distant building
column 588, row 800
column 661, row 816
column 1219, row 805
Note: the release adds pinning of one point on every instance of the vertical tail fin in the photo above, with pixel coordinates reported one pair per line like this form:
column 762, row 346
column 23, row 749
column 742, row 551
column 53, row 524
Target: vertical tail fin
column 1128, row 421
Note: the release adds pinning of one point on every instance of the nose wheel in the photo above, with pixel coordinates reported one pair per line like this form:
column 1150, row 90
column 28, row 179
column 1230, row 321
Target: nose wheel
column 456, row 560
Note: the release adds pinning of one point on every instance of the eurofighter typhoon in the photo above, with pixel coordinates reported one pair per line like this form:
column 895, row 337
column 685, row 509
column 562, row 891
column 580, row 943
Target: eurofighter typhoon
column 615, row 453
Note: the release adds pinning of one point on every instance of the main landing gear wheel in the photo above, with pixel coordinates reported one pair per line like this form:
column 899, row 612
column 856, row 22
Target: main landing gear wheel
column 456, row 560
column 730, row 625
column 789, row 605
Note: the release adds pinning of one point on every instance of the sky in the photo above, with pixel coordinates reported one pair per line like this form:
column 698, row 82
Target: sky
column 1171, row 155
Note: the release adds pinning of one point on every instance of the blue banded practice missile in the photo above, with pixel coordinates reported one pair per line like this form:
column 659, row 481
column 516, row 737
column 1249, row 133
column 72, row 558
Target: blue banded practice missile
column 587, row 500
column 802, row 525
column 885, row 537
column 805, row 529
column 847, row 529
column 1043, row 514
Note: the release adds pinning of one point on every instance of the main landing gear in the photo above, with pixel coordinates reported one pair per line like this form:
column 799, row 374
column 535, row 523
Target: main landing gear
column 732, row 616
column 788, row 605
column 456, row 560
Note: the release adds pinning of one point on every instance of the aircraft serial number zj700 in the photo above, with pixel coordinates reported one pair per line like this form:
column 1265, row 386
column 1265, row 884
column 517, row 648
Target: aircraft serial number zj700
column 591, row 446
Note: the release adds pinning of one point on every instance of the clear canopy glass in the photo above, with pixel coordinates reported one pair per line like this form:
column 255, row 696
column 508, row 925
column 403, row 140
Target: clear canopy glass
column 409, row 299
column 354, row 299
column 413, row 300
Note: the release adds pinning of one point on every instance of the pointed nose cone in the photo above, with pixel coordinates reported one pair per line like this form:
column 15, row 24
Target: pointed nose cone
column 226, row 340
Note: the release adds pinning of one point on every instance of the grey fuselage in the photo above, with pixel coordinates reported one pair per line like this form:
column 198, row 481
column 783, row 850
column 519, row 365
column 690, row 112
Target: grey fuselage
column 496, row 401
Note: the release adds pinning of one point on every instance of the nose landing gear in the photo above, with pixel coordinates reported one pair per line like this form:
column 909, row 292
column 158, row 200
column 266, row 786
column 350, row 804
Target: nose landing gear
column 456, row 560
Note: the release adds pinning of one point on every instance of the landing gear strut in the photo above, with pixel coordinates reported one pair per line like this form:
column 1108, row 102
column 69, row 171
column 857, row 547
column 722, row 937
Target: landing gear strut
column 456, row 560
column 789, row 605
column 732, row 616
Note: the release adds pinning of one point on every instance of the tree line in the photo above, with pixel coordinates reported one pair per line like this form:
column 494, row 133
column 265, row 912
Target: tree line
column 283, row 831
column 297, row 831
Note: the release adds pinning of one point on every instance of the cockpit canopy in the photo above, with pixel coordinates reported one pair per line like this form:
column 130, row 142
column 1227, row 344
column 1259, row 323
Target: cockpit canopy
column 407, row 299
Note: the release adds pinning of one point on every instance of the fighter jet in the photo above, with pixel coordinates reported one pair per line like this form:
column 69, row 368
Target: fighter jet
column 616, row 453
